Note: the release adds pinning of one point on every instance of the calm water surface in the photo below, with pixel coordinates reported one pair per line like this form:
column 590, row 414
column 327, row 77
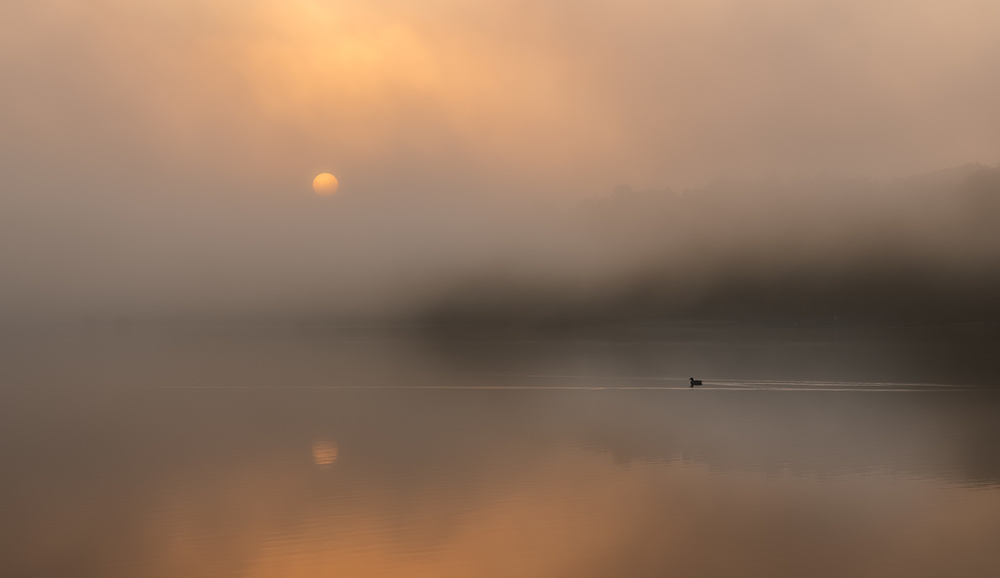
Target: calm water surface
column 195, row 453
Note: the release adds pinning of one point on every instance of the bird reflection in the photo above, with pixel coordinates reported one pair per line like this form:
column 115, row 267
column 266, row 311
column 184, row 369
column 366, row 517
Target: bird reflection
column 324, row 453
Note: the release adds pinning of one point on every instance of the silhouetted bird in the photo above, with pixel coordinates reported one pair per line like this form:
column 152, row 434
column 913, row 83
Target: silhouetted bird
column 694, row 382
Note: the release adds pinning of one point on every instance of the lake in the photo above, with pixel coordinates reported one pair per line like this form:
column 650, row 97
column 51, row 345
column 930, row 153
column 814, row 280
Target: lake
column 306, row 451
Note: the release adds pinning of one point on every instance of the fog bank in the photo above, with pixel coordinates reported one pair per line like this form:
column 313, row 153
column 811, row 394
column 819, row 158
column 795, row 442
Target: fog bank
column 926, row 246
column 155, row 158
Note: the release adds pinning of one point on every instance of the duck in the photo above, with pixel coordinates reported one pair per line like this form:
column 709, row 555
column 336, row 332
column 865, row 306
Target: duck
column 694, row 381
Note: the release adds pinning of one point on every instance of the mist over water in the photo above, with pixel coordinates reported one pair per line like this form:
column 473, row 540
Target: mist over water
column 924, row 248
column 475, row 356
column 251, row 453
column 158, row 159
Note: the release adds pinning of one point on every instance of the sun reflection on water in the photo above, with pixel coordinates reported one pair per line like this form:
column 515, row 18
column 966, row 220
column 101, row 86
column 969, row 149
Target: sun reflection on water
column 324, row 453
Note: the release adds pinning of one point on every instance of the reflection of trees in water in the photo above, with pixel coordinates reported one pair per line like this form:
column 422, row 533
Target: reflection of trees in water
column 947, row 436
column 212, row 478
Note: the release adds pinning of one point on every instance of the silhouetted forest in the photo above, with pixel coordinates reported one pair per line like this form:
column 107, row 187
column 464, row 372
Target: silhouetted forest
column 923, row 249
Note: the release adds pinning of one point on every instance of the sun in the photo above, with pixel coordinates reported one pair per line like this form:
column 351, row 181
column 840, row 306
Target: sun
column 325, row 184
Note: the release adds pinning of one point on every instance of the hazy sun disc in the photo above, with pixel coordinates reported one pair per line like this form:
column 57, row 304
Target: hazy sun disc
column 325, row 184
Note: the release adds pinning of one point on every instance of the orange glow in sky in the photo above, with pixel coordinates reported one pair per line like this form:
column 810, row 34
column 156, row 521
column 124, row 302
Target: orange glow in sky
column 547, row 95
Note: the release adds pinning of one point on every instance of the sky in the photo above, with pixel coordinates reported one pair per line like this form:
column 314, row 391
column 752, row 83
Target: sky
column 175, row 129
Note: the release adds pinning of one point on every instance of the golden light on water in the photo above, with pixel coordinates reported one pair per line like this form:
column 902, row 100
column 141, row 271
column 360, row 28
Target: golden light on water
column 324, row 453
column 325, row 184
